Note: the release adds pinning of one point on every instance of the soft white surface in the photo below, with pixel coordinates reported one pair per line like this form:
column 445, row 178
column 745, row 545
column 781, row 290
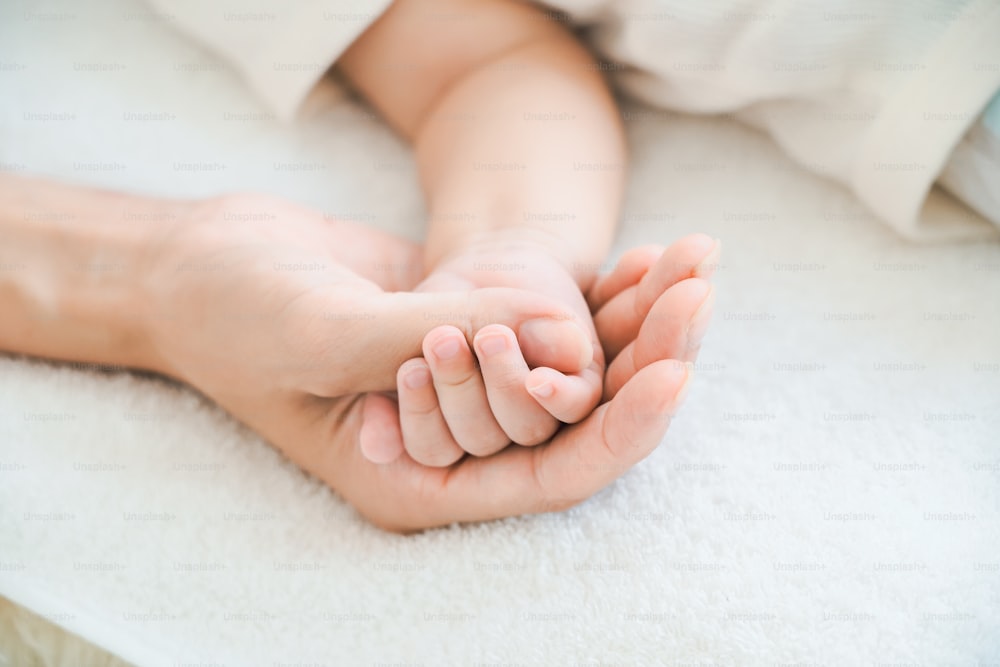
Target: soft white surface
column 809, row 505
column 843, row 92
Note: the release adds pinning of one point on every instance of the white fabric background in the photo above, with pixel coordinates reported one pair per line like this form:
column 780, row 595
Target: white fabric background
column 874, row 94
column 829, row 495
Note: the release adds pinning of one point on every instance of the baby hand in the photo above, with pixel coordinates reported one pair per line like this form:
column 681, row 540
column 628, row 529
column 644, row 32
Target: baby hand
column 450, row 405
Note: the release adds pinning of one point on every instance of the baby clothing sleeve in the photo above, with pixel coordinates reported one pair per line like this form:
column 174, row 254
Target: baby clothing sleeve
column 875, row 94
column 973, row 170
column 280, row 47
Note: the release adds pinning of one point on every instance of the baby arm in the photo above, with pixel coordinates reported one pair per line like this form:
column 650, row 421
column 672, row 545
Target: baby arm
column 521, row 157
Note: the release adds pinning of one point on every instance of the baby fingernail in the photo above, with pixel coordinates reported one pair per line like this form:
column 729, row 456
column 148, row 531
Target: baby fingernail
column 417, row 378
column 544, row 390
column 446, row 349
column 492, row 344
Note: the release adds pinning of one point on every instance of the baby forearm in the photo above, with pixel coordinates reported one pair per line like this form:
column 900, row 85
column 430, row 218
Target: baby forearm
column 517, row 136
column 527, row 148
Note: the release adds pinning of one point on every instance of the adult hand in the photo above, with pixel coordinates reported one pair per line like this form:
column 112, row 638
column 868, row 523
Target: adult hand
column 480, row 402
column 288, row 320
column 651, row 314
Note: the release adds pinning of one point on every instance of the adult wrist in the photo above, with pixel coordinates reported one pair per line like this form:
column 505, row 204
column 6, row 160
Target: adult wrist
column 75, row 289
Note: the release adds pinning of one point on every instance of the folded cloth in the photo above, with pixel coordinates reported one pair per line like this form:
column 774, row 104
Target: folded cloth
column 280, row 48
column 873, row 94
column 973, row 171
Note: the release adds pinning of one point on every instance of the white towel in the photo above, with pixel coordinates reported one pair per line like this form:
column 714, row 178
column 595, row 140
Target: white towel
column 828, row 495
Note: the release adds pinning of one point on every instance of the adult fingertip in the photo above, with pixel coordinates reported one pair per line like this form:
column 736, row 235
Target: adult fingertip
column 707, row 266
column 634, row 263
column 640, row 414
column 685, row 373
column 698, row 326
column 666, row 384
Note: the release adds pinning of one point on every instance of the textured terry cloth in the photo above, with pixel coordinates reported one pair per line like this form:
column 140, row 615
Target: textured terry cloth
column 828, row 495
column 874, row 94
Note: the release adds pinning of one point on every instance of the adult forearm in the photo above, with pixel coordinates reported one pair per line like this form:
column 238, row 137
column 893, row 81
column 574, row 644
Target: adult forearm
column 71, row 271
